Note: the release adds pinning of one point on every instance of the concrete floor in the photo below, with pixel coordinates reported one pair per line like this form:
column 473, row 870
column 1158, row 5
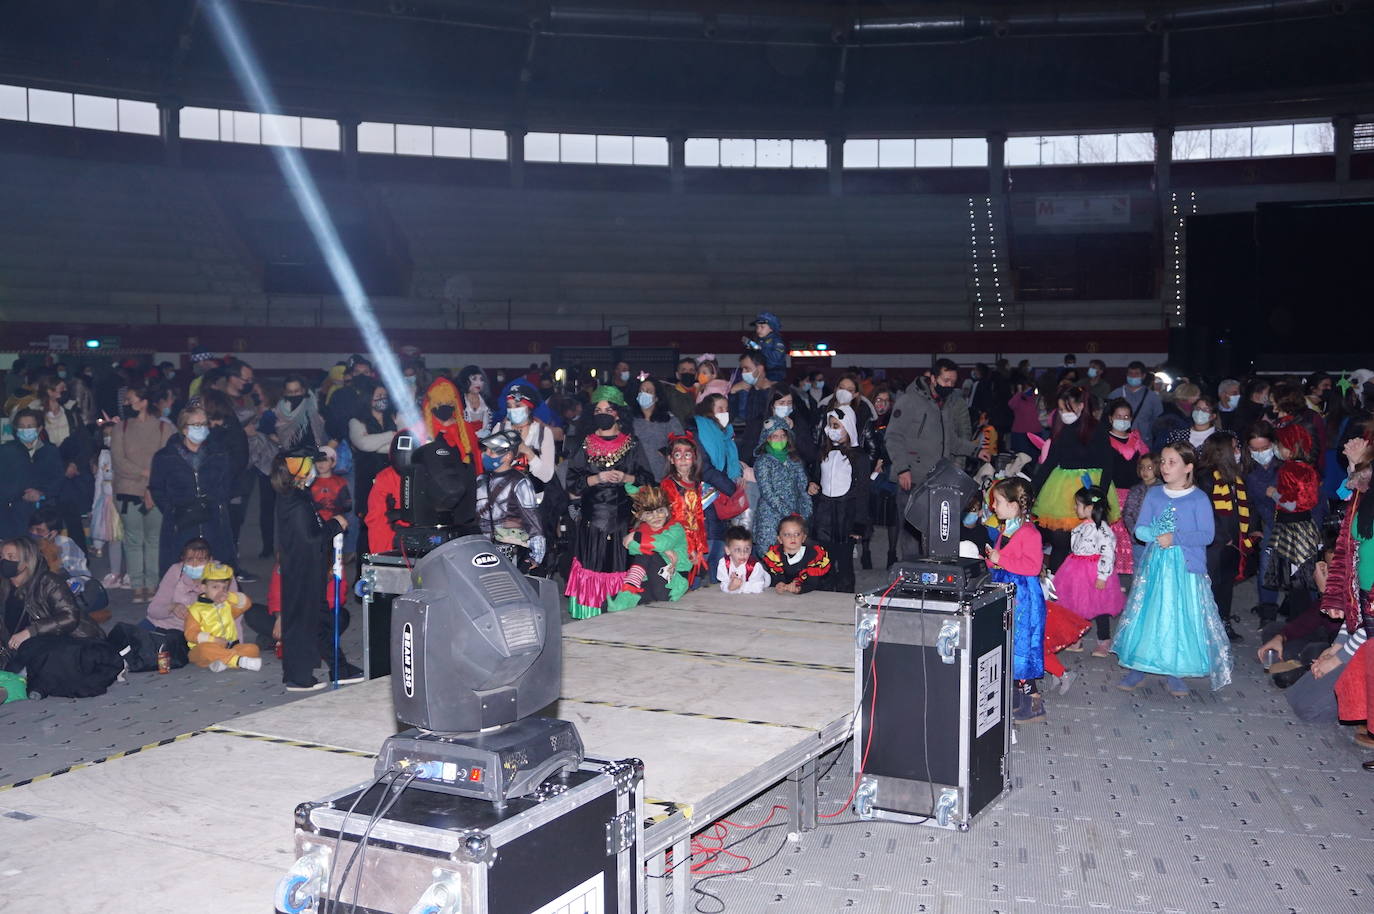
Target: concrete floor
column 1123, row 803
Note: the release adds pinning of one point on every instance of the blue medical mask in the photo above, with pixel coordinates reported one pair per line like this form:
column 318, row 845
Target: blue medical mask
column 1264, row 457
column 1232, row 401
column 193, row 571
column 748, row 377
column 26, row 435
column 782, row 412
column 1135, row 382
column 519, row 415
column 1092, row 372
column 62, row 374
column 970, row 518
column 804, row 386
column 198, row 434
column 166, row 412
column 490, row 464
column 1201, row 417
column 645, row 400
column 1121, row 425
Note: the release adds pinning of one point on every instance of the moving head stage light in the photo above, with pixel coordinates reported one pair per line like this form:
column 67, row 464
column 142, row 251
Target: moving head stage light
column 475, row 652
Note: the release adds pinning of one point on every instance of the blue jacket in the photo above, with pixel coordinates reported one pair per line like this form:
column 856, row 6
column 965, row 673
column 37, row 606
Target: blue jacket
column 19, row 470
column 173, row 483
column 1195, row 525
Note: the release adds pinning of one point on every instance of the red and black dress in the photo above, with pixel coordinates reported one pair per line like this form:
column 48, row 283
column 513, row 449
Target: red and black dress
column 809, row 567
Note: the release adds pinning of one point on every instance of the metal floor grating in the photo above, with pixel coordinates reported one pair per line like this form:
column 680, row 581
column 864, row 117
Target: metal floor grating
column 1123, row 803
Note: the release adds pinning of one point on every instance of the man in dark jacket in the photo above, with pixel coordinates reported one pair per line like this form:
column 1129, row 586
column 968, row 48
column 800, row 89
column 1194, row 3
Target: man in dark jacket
column 929, row 422
column 348, row 401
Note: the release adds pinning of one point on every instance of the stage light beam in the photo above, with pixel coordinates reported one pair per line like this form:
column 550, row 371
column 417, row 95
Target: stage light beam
column 252, row 80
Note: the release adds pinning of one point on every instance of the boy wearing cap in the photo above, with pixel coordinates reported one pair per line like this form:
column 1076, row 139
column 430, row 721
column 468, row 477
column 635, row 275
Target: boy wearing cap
column 506, row 507
column 212, row 627
column 770, row 345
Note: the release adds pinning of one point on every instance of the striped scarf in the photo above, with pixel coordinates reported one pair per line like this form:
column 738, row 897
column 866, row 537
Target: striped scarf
column 1230, row 498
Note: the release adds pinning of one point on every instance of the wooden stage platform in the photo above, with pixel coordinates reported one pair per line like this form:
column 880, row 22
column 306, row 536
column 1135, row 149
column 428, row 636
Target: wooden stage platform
column 721, row 696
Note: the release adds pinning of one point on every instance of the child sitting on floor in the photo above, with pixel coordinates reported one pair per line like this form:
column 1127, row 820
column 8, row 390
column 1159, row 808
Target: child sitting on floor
column 212, row 628
column 659, row 558
column 738, row 570
column 794, row 566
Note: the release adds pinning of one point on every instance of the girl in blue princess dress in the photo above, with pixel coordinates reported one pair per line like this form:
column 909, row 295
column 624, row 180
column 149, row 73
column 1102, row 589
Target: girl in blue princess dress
column 1170, row 626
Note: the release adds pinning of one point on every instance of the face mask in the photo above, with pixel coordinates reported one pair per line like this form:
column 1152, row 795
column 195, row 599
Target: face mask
column 443, row 413
column 500, row 377
column 1135, row 382
column 1092, row 372
column 9, row 568
column 1201, row 417
column 834, row 434
column 1264, row 457
column 1070, row 365
column 166, row 412
column 970, row 518
column 519, row 414
column 193, row 571
column 843, row 396
column 778, row 447
column 1233, row 401
column 624, row 376
column 384, row 404
column 943, row 390
column 782, row 412
column 804, row 386
column 62, row 375
column 490, row 463
column 1068, row 418
column 686, row 378
column 410, row 381
column 1121, row 425
column 1237, row 456
column 296, row 401
column 26, row 435
column 169, row 374
column 703, row 377
column 723, row 419
column 603, row 421
column 197, row 434
column 645, row 400
column 749, row 378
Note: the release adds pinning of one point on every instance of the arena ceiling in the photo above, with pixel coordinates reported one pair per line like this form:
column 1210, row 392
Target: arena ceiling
column 721, row 67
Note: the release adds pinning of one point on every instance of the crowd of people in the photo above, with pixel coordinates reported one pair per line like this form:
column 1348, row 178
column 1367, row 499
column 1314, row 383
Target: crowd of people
column 1129, row 509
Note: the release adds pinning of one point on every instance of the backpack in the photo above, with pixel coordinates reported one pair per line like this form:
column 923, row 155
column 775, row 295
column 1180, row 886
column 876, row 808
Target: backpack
column 67, row 667
column 139, row 646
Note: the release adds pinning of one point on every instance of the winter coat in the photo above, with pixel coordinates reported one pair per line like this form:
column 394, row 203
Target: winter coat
column 921, row 432
column 177, row 480
column 22, row 469
column 51, row 608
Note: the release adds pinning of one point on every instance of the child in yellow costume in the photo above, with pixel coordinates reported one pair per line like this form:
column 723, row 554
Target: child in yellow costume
column 212, row 630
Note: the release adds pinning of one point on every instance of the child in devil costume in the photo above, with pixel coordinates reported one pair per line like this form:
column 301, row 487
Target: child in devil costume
column 659, row 558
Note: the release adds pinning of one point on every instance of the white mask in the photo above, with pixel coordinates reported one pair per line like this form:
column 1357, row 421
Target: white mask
column 723, row 419
column 519, row 415
column 1264, row 457
column 843, row 396
column 1201, row 417
column 1068, row 418
column 782, row 412
column 833, row 433
column 1121, row 425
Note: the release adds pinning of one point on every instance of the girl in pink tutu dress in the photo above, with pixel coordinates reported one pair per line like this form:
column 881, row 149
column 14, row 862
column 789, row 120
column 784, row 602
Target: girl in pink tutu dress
column 1085, row 583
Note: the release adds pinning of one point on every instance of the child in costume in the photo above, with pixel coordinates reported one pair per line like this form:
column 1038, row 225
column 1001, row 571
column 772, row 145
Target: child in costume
column 659, row 560
column 212, row 626
column 690, row 486
column 781, row 477
column 840, row 490
column 794, row 566
column 769, row 344
column 1147, row 467
column 739, row 571
column 1018, row 558
column 1170, row 626
column 1295, row 540
column 506, row 506
column 1086, row 584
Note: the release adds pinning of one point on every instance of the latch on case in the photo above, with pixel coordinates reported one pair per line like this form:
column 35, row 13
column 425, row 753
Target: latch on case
column 620, row 833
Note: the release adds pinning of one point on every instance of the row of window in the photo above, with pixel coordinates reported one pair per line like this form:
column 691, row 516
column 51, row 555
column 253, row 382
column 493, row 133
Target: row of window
column 66, row 109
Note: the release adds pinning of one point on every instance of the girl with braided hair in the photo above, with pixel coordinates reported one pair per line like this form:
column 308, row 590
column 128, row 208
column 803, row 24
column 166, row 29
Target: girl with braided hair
column 1018, row 558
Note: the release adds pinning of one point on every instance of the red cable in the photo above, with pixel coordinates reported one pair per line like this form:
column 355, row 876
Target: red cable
column 872, row 708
